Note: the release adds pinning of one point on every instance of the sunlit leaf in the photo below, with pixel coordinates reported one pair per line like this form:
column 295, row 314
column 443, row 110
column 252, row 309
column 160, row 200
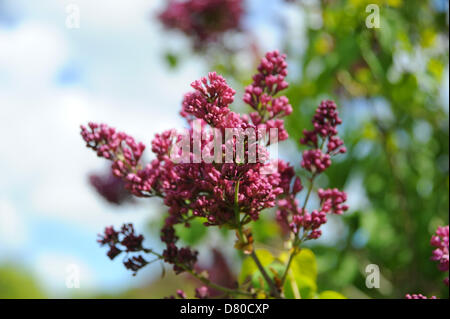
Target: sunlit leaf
column 329, row 294
column 249, row 267
column 304, row 264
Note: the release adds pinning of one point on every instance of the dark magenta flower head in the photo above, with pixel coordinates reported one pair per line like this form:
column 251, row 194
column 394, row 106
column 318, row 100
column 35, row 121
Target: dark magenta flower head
column 204, row 21
column 441, row 253
column 111, row 188
column 261, row 94
column 210, row 101
column 325, row 123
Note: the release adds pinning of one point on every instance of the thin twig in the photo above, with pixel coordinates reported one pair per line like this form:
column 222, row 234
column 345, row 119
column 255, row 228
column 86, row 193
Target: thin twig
column 273, row 288
column 237, row 213
column 297, row 239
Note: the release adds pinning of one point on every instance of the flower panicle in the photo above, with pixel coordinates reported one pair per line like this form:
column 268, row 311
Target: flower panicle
column 223, row 193
column 441, row 252
column 203, row 21
column 261, row 94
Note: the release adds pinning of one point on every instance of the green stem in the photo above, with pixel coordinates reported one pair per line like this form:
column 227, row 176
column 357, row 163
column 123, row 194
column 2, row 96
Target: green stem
column 298, row 240
column 237, row 212
column 311, row 184
column 291, row 258
column 273, row 288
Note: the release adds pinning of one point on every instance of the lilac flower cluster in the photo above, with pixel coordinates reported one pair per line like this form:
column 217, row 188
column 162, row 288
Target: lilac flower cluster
column 212, row 190
column 288, row 204
column 440, row 254
column 210, row 101
column 181, row 294
column 293, row 218
column 325, row 122
column 419, row 296
column 332, row 201
column 309, row 222
column 315, row 161
column 111, row 188
column 181, row 258
column 255, row 191
column 125, row 154
column 204, row 21
column 230, row 194
column 124, row 241
column 260, row 95
column 290, row 215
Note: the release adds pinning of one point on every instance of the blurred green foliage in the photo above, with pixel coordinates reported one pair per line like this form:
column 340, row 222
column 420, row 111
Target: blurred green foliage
column 158, row 288
column 18, row 283
column 396, row 131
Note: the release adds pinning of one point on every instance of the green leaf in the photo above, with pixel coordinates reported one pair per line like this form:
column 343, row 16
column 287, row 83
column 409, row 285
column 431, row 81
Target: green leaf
column 329, row 294
column 171, row 59
column 301, row 280
column 307, row 287
column 305, row 264
column 263, row 230
column 193, row 234
column 274, row 268
column 299, row 287
column 249, row 267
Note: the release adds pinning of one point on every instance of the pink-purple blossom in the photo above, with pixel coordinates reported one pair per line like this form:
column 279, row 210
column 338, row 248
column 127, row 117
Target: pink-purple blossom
column 225, row 193
column 261, row 94
column 111, row 188
column 181, row 294
column 210, row 101
column 204, row 21
column 124, row 152
column 441, row 253
column 418, row 296
column 202, row 292
column 325, row 123
column 309, row 223
column 290, row 215
column 332, row 200
column 315, row 161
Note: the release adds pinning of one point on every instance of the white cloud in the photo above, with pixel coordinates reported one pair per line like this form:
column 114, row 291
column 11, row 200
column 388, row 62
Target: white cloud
column 30, row 55
column 46, row 159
